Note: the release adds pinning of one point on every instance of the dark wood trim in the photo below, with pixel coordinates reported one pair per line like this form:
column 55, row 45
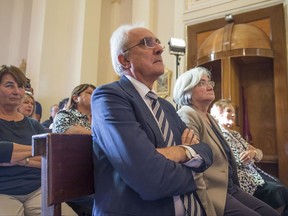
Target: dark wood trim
column 276, row 17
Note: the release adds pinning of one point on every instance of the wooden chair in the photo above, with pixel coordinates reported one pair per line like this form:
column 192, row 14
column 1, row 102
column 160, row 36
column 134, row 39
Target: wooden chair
column 67, row 168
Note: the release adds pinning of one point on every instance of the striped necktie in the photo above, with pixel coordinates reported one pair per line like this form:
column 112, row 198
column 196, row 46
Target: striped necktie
column 192, row 204
column 162, row 121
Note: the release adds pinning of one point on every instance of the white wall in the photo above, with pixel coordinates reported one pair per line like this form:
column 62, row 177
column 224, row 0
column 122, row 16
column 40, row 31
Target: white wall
column 55, row 49
column 67, row 42
column 15, row 18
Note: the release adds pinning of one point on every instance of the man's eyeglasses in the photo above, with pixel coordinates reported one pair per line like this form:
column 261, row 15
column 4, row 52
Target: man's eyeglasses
column 206, row 83
column 149, row 42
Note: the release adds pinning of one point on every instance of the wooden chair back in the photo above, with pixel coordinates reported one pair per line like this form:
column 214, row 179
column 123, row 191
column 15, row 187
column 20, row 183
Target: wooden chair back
column 67, row 168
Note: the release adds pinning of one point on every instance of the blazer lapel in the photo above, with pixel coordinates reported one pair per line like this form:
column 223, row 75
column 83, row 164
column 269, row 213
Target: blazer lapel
column 128, row 87
column 212, row 134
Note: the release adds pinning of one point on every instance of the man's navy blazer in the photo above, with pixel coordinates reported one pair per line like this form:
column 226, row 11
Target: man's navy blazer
column 131, row 177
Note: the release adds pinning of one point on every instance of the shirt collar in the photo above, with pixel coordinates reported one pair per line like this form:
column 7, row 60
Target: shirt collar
column 140, row 87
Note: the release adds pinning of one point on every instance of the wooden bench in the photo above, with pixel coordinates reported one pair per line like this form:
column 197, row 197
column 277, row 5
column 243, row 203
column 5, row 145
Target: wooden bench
column 67, row 168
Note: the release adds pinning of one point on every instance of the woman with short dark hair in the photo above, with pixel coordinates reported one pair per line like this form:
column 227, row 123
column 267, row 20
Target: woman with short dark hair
column 20, row 173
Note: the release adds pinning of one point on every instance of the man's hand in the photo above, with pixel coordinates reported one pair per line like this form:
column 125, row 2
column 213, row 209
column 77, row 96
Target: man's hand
column 189, row 137
column 174, row 153
column 178, row 153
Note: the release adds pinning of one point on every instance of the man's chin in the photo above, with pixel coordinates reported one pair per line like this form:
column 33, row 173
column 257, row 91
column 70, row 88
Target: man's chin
column 160, row 73
column 158, row 70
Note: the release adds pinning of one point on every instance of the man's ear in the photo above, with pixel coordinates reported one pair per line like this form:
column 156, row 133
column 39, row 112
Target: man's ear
column 124, row 61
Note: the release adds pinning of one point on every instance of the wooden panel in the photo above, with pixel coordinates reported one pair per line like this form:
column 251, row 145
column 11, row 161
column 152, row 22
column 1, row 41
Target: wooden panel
column 226, row 78
column 281, row 93
column 192, row 38
column 271, row 168
column 235, row 92
column 264, row 25
column 257, row 80
column 267, row 89
column 69, row 180
column 66, row 168
column 201, row 37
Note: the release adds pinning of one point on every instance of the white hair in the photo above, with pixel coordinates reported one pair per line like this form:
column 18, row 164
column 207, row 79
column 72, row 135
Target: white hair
column 182, row 93
column 218, row 108
column 118, row 42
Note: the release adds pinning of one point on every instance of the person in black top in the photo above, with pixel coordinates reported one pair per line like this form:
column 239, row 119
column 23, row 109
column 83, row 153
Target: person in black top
column 20, row 173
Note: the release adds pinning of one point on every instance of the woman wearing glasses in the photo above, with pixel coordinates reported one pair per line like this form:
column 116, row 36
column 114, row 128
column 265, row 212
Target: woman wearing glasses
column 218, row 186
column 20, row 173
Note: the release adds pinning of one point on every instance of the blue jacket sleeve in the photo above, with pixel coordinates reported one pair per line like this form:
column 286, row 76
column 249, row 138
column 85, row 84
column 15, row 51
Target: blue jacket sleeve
column 206, row 154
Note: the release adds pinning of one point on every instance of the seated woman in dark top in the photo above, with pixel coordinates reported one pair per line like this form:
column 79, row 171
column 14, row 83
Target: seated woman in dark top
column 20, row 173
column 252, row 179
column 76, row 119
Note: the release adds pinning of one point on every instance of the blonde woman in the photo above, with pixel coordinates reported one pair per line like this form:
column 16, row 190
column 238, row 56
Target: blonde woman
column 27, row 105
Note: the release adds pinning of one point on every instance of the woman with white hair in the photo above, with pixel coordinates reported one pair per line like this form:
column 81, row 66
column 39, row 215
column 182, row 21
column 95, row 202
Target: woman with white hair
column 218, row 186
